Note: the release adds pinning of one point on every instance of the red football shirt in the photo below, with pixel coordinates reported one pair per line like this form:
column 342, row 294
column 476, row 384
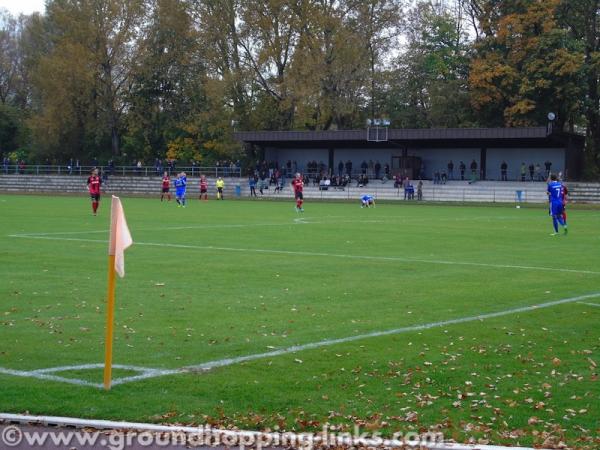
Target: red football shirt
column 94, row 183
column 298, row 185
column 166, row 182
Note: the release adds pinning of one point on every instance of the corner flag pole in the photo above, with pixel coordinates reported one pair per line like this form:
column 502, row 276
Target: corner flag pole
column 120, row 239
column 110, row 318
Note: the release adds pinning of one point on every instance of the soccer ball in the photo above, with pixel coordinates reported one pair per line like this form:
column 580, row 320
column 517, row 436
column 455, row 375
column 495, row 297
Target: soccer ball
column 518, row 206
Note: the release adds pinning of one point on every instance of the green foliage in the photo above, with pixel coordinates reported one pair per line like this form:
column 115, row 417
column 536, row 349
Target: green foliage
column 11, row 129
column 529, row 67
column 106, row 77
column 428, row 84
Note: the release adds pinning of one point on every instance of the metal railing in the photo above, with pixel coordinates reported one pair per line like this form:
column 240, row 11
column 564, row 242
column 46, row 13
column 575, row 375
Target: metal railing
column 429, row 192
column 40, row 169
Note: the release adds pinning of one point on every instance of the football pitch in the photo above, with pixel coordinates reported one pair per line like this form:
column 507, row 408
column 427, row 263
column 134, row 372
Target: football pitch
column 469, row 320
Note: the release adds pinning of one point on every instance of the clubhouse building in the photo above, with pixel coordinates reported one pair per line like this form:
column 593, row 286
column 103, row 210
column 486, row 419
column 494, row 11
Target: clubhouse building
column 421, row 152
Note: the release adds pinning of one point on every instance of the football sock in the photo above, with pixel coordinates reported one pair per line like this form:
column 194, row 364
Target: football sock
column 555, row 224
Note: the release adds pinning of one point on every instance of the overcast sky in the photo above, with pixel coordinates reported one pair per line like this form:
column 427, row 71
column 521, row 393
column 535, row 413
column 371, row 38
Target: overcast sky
column 16, row 7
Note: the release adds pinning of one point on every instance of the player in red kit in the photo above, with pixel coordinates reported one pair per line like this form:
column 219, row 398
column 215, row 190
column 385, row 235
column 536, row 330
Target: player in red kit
column 94, row 182
column 203, row 188
column 166, row 184
column 298, row 185
column 565, row 193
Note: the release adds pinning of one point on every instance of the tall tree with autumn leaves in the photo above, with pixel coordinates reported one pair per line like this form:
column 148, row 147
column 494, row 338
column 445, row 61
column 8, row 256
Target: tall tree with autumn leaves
column 143, row 77
column 526, row 65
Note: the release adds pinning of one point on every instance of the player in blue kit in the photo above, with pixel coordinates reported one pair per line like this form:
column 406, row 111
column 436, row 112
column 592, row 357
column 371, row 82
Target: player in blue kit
column 367, row 201
column 180, row 184
column 556, row 195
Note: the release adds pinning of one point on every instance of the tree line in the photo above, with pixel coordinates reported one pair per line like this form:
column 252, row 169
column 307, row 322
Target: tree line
column 172, row 79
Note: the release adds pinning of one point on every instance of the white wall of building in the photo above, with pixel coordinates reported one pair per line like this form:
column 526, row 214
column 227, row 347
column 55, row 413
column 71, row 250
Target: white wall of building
column 300, row 155
column 432, row 158
column 515, row 156
column 438, row 159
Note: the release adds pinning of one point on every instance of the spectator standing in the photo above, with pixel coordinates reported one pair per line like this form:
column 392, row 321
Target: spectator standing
column 377, row 169
column 405, row 186
column 473, row 170
column 548, row 165
column 523, row 171
column 252, row 184
column 341, row 168
column 531, row 171
column 462, row 167
column 420, row 190
column 349, row 168
column 538, row 172
column 451, row 170
column 503, row 171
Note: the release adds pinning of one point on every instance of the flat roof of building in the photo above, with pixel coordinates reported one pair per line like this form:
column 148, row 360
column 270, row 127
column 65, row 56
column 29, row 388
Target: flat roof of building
column 425, row 137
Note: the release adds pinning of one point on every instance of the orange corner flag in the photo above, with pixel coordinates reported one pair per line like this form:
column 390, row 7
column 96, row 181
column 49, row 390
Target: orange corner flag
column 120, row 237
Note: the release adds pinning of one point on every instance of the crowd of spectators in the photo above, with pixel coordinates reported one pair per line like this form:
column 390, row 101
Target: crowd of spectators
column 272, row 173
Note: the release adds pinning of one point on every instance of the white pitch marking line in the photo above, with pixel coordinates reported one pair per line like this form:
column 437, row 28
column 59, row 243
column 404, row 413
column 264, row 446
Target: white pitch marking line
column 148, row 373
column 313, row 345
column 326, row 255
column 89, row 366
column 44, row 376
column 590, row 304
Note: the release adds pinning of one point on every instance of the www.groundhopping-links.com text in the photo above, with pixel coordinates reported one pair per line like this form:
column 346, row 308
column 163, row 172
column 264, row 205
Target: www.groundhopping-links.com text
column 14, row 435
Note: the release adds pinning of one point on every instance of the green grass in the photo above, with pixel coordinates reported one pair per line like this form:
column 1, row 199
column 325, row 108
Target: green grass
column 246, row 278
